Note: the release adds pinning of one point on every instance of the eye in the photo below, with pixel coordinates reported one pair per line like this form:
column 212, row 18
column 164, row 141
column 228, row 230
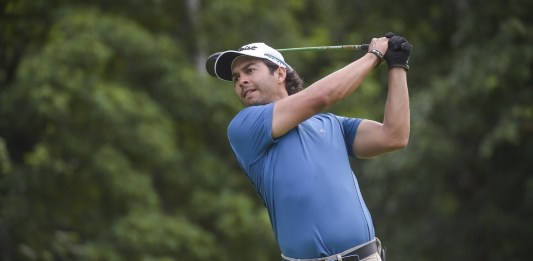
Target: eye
column 235, row 79
column 250, row 70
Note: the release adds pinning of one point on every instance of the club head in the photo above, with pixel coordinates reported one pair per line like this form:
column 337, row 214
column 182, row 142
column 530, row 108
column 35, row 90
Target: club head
column 210, row 63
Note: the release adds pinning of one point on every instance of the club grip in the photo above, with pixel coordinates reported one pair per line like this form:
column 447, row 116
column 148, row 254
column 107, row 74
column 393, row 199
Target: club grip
column 364, row 47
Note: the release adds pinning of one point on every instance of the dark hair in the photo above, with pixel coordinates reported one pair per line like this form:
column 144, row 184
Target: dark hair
column 293, row 81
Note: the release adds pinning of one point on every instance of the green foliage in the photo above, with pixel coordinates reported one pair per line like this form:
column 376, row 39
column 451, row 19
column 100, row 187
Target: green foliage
column 113, row 143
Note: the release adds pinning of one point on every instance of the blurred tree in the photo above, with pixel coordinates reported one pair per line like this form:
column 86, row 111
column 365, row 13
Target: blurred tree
column 105, row 133
column 465, row 179
column 113, row 144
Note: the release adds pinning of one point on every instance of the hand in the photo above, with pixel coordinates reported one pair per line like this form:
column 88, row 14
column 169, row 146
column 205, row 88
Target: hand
column 399, row 51
column 378, row 46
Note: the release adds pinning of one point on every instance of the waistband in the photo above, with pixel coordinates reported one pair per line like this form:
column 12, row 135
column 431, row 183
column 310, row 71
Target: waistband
column 359, row 252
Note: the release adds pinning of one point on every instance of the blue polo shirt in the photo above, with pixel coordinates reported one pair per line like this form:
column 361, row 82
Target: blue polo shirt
column 305, row 180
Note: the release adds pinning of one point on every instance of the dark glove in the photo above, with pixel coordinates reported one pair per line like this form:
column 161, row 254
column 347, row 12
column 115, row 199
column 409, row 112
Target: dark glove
column 399, row 51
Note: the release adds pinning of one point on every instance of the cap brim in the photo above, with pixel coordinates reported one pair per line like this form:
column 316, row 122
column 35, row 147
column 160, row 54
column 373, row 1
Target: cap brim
column 223, row 64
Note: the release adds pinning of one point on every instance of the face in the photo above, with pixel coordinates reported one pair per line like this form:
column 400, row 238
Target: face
column 255, row 84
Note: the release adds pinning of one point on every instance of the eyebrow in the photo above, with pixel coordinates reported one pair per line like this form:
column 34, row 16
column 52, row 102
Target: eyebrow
column 244, row 68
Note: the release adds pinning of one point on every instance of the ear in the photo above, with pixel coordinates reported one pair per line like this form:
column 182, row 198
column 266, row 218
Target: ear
column 282, row 73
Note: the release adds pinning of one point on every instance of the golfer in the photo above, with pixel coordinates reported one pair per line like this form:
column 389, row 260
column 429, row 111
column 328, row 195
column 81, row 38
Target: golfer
column 297, row 157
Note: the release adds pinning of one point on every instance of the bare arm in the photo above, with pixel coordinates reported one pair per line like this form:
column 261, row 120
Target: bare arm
column 375, row 138
column 294, row 109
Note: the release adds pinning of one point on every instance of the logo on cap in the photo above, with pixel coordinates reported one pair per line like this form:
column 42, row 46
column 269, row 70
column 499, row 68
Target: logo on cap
column 248, row 47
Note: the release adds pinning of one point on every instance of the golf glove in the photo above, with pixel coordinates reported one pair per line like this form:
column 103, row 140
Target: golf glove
column 398, row 53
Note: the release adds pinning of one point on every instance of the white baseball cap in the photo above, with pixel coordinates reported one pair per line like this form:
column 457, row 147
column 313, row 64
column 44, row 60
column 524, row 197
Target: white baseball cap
column 260, row 50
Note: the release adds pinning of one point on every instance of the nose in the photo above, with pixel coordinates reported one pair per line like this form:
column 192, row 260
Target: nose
column 241, row 85
column 242, row 80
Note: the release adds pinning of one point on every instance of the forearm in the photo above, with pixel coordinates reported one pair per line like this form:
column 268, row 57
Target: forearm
column 291, row 110
column 342, row 83
column 396, row 122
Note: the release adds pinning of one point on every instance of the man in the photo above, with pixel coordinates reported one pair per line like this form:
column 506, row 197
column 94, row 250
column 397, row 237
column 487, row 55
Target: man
column 297, row 157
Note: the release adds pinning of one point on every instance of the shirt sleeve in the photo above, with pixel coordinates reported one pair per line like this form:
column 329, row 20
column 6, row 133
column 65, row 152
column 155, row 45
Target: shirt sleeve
column 250, row 134
column 349, row 126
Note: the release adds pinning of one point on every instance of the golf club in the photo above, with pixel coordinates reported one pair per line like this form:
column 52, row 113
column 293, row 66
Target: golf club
column 357, row 47
column 211, row 60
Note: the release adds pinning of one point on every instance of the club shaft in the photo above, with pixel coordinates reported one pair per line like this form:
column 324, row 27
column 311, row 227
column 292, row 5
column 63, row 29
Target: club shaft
column 357, row 47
